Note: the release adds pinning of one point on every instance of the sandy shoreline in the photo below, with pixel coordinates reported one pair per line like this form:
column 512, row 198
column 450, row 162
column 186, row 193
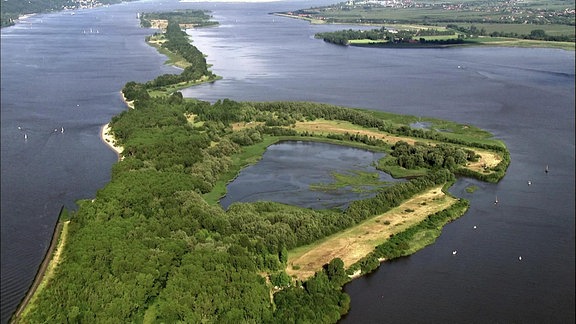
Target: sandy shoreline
column 107, row 137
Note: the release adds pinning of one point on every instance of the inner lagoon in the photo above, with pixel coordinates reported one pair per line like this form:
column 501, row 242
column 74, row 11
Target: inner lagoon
column 300, row 173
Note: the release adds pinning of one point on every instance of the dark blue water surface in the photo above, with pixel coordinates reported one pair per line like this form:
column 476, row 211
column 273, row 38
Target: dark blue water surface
column 299, row 173
column 54, row 75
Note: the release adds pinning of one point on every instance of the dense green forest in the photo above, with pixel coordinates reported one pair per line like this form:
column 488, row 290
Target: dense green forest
column 149, row 247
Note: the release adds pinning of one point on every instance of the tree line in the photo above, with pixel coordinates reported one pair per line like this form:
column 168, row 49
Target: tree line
column 400, row 37
column 535, row 34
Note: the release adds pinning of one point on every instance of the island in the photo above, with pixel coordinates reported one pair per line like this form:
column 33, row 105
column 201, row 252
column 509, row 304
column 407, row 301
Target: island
column 154, row 245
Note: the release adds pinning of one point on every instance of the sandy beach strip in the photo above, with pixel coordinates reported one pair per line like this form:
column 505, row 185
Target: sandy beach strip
column 107, row 137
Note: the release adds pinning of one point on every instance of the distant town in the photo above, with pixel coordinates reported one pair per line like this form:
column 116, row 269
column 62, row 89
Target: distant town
column 512, row 11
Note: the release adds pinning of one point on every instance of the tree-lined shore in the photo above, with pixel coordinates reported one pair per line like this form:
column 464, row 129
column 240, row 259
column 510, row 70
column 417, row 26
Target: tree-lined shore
column 155, row 246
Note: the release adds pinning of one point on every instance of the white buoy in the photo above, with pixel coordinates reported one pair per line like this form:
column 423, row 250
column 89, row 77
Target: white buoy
column 454, row 252
column 474, row 226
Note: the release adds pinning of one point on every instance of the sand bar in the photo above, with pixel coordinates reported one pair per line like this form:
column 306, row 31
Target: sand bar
column 108, row 138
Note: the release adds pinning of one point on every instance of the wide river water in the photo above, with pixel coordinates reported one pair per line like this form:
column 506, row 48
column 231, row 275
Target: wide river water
column 65, row 71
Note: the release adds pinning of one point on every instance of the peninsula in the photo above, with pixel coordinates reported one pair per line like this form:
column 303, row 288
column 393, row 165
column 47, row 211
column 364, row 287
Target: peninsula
column 154, row 245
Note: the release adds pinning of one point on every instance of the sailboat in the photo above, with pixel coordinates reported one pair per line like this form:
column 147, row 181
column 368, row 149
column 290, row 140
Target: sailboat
column 62, row 131
column 546, row 170
column 496, row 200
column 25, row 137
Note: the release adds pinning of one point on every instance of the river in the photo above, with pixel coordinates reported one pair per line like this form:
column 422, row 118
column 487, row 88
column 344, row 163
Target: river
column 65, row 71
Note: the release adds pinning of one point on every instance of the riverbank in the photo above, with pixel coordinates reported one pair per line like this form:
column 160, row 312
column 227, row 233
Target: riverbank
column 46, row 270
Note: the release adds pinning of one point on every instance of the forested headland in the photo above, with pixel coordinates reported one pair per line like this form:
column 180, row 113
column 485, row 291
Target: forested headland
column 152, row 246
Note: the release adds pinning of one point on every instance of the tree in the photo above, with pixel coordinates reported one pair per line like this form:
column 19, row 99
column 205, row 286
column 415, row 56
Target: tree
column 335, row 272
column 538, row 34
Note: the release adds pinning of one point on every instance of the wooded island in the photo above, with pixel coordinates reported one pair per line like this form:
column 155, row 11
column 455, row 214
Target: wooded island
column 155, row 246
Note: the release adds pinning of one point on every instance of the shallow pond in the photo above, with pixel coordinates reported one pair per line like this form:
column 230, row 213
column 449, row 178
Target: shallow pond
column 308, row 174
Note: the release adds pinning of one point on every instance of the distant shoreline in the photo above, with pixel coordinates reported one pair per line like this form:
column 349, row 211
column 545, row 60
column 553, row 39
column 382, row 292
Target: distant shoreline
column 475, row 42
column 236, row 1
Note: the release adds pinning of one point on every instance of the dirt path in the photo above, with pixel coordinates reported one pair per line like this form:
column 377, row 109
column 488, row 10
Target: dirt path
column 353, row 244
